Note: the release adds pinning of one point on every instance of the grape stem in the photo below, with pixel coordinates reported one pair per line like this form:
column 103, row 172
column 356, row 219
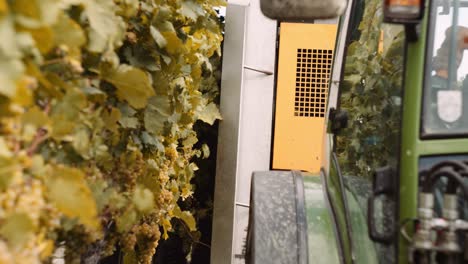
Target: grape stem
column 40, row 137
column 190, row 235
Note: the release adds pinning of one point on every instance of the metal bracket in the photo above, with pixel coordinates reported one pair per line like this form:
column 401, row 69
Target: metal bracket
column 258, row 70
column 412, row 32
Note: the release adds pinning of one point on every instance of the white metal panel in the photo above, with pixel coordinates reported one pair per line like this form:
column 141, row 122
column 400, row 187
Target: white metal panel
column 256, row 115
column 257, row 99
column 245, row 131
column 228, row 138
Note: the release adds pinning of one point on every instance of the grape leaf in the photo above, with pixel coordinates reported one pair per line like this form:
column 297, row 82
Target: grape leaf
column 126, row 220
column 143, row 199
column 209, row 114
column 68, row 32
column 107, row 29
column 186, row 217
column 17, row 229
column 191, row 10
column 34, row 116
column 156, row 114
column 3, row 8
column 36, row 13
column 71, row 195
column 133, row 84
column 129, row 122
column 158, row 37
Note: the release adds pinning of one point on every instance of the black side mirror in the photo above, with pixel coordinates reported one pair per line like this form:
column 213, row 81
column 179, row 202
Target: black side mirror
column 382, row 196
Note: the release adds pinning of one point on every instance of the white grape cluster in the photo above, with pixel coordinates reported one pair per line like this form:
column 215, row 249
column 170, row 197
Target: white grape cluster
column 27, row 199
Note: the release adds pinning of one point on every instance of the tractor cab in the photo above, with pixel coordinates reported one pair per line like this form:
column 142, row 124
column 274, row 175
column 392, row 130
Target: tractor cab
column 392, row 186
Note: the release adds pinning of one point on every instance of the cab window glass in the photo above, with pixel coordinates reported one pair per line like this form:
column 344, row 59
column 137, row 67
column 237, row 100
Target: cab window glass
column 445, row 109
column 371, row 93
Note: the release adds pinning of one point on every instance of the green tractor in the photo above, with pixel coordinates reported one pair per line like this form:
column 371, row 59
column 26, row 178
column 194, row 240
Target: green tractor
column 393, row 184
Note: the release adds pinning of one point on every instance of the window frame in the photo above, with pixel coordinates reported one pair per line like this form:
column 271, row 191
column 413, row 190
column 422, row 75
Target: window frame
column 427, row 74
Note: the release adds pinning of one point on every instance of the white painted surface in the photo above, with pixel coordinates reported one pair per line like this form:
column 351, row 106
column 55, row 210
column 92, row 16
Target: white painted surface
column 256, row 114
column 239, row 2
column 257, row 101
column 245, row 145
column 228, row 139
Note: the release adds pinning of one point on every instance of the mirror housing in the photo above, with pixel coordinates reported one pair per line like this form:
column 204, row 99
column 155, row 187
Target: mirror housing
column 403, row 11
column 285, row 10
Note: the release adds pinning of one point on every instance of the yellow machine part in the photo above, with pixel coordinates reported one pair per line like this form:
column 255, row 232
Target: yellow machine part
column 304, row 70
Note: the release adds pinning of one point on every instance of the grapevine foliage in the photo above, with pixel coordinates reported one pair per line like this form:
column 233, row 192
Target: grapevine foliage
column 98, row 99
column 371, row 93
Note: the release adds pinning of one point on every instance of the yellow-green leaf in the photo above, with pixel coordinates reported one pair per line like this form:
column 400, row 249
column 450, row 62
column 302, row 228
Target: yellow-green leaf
column 130, row 258
column 190, row 140
column 5, row 151
column 62, row 127
column 17, row 229
column 27, row 8
column 3, row 8
column 36, row 13
column 156, row 114
column 68, row 32
column 111, row 118
column 127, row 220
column 71, row 195
column 191, row 10
column 36, row 117
column 133, row 85
column 206, row 151
column 209, row 114
column 11, row 67
column 44, row 38
column 143, row 199
column 174, row 43
column 186, row 217
column 107, row 29
column 158, row 37
column 81, row 142
column 128, row 122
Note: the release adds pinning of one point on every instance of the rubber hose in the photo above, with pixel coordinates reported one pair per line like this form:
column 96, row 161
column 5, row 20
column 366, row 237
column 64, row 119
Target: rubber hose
column 428, row 186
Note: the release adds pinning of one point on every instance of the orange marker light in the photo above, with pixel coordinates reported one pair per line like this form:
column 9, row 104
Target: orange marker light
column 404, row 3
column 403, row 9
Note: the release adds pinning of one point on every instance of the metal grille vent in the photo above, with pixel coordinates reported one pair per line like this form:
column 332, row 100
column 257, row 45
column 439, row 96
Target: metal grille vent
column 312, row 78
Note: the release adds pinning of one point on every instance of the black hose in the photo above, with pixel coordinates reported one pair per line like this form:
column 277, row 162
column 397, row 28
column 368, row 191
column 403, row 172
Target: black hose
column 448, row 172
column 446, row 258
column 422, row 257
column 460, row 167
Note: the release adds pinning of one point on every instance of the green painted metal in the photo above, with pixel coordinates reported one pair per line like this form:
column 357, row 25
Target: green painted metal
column 410, row 142
column 323, row 245
column 365, row 250
column 412, row 146
column 336, row 193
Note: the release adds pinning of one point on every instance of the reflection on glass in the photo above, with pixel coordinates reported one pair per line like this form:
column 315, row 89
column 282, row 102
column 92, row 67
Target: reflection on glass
column 446, row 86
column 371, row 94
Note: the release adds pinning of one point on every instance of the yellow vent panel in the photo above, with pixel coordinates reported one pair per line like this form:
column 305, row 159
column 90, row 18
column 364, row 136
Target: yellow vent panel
column 312, row 77
column 304, row 70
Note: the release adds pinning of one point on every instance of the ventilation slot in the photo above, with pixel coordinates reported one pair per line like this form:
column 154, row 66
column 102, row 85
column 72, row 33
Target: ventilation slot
column 312, row 78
